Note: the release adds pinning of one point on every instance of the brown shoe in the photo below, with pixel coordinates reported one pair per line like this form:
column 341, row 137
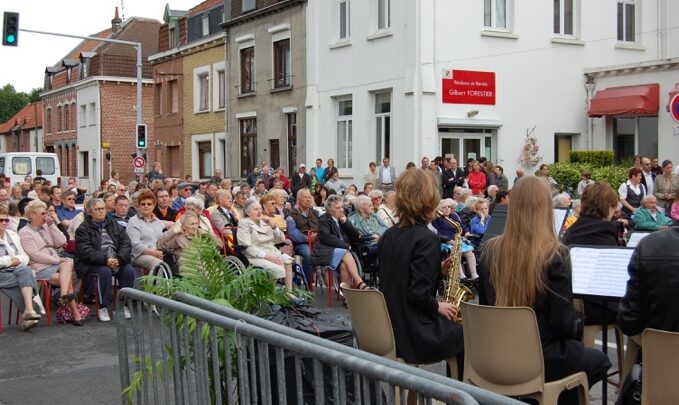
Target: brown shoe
column 26, row 325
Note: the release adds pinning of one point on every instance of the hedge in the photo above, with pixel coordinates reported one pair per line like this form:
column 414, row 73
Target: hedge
column 595, row 158
column 567, row 174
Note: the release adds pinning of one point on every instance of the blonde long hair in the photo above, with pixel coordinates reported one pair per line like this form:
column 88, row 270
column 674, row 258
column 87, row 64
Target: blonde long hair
column 518, row 257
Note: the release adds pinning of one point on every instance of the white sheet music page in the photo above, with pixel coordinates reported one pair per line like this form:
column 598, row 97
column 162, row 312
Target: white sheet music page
column 559, row 218
column 635, row 238
column 600, row 271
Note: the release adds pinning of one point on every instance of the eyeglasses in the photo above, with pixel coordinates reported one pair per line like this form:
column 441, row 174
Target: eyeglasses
column 146, row 204
column 70, row 199
column 5, row 220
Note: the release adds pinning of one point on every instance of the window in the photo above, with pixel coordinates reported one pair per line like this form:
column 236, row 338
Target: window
column 383, row 14
column 84, row 164
column 46, row 164
column 247, row 70
column 344, row 143
column 249, row 5
column 221, row 90
column 83, row 115
column 248, row 145
column 495, row 14
column 204, row 159
column 626, row 20
column 172, row 37
column 281, row 60
column 382, row 125
column 67, row 116
column 563, row 17
column 275, row 153
column 60, row 117
column 291, row 119
column 173, row 94
column 204, row 92
column 93, row 114
column 21, row 166
column 157, row 99
column 344, row 19
column 205, row 22
column 48, row 121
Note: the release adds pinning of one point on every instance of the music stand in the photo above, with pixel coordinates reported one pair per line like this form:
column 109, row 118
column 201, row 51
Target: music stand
column 600, row 274
column 560, row 215
column 496, row 225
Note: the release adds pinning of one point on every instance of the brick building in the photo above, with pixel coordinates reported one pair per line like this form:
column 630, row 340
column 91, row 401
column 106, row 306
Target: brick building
column 23, row 132
column 168, row 106
column 89, row 102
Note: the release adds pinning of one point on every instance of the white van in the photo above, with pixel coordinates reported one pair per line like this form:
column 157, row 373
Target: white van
column 17, row 165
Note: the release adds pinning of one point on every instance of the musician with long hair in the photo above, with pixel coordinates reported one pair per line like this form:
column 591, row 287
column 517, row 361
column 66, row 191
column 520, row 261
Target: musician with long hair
column 527, row 266
column 410, row 269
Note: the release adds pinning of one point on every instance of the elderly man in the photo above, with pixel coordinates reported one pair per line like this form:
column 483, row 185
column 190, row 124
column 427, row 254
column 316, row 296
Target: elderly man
column 649, row 218
column 67, row 211
column 453, row 176
column 300, row 180
column 185, row 191
column 519, row 173
column 156, row 173
column 120, row 213
column 223, row 217
column 303, row 219
column 561, row 200
column 4, row 197
column 492, row 192
column 217, row 178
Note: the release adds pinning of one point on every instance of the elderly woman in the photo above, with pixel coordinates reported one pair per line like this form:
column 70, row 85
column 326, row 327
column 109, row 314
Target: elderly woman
column 282, row 206
column 365, row 221
column 103, row 249
column 665, row 186
column 270, row 210
column 16, row 278
column 650, row 218
column 41, row 238
column 179, row 237
column 333, row 244
column 447, row 234
column 386, row 211
column 196, row 205
column 376, row 197
column 561, row 200
column 144, row 230
column 258, row 235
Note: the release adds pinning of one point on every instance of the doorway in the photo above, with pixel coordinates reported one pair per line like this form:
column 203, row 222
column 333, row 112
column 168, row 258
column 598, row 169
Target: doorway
column 467, row 143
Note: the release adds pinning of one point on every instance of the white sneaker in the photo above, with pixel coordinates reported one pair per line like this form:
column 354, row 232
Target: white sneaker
column 127, row 314
column 38, row 303
column 103, row 315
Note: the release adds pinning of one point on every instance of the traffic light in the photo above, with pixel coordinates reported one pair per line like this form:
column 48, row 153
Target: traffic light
column 10, row 29
column 141, row 136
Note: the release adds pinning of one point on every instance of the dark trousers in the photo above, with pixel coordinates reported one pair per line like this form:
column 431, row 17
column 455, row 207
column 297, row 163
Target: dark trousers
column 125, row 276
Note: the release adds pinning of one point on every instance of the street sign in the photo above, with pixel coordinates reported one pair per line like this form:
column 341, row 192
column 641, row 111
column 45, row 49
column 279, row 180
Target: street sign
column 674, row 107
column 139, row 163
column 138, row 170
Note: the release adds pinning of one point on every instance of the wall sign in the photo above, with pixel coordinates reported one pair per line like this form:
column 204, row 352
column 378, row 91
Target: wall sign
column 468, row 87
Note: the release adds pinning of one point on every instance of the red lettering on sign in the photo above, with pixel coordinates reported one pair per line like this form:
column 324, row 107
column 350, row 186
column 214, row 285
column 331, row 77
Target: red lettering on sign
column 469, row 87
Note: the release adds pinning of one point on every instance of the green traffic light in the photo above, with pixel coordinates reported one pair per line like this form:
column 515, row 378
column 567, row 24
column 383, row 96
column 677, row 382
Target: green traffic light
column 10, row 39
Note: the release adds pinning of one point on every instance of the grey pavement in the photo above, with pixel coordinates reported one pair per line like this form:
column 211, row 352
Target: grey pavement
column 68, row 364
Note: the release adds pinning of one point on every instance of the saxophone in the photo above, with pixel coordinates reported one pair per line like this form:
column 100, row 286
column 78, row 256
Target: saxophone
column 455, row 292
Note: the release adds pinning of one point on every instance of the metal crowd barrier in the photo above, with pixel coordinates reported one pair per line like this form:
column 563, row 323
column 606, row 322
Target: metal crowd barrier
column 182, row 354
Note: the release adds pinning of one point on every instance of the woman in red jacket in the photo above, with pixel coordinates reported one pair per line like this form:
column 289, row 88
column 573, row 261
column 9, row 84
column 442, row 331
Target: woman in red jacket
column 476, row 180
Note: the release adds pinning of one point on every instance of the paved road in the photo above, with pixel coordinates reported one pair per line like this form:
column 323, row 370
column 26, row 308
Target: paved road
column 66, row 364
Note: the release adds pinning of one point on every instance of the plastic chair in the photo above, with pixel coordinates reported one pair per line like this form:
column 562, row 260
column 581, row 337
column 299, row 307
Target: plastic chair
column 372, row 325
column 503, row 354
column 660, row 367
column 46, row 289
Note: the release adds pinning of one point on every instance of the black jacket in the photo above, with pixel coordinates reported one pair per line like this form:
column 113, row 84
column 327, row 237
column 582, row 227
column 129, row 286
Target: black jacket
column 410, row 269
column 170, row 213
column 88, row 251
column 591, row 231
column 558, row 321
column 651, row 299
column 450, row 179
column 330, row 237
column 298, row 183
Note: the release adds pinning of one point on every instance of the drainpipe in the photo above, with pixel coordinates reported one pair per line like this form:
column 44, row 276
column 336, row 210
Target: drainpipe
column 590, row 85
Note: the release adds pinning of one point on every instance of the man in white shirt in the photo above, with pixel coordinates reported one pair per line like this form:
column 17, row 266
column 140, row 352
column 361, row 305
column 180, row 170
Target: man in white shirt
column 386, row 176
column 647, row 175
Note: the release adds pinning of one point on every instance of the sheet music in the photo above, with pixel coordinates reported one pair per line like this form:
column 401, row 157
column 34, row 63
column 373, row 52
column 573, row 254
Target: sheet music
column 600, row 271
column 559, row 218
column 635, row 237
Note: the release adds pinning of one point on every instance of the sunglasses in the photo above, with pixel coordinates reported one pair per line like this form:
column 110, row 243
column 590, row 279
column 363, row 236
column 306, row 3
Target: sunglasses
column 146, row 204
column 5, row 220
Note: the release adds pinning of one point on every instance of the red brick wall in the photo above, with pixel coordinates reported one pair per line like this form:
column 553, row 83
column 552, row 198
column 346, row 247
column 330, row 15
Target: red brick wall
column 118, row 123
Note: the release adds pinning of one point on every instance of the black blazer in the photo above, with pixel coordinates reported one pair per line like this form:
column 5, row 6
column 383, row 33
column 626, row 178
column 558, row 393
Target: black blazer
column 451, row 179
column 410, row 269
column 330, row 236
column 559, row 322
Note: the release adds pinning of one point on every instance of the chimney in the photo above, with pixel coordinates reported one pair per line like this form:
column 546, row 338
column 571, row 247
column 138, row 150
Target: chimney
column 116, row 22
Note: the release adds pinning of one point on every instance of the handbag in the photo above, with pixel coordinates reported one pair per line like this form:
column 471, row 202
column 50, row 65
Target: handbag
column 64, row 312
column 630, row 393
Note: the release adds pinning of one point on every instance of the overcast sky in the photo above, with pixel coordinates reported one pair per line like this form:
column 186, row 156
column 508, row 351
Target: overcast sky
column 24, row 66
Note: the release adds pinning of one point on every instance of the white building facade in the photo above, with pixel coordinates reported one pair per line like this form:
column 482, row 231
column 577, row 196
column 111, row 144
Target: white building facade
column 438, row 78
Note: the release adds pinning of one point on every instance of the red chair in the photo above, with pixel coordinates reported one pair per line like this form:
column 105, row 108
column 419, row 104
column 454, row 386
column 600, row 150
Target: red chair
column 311, row 238
column 46, row 289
